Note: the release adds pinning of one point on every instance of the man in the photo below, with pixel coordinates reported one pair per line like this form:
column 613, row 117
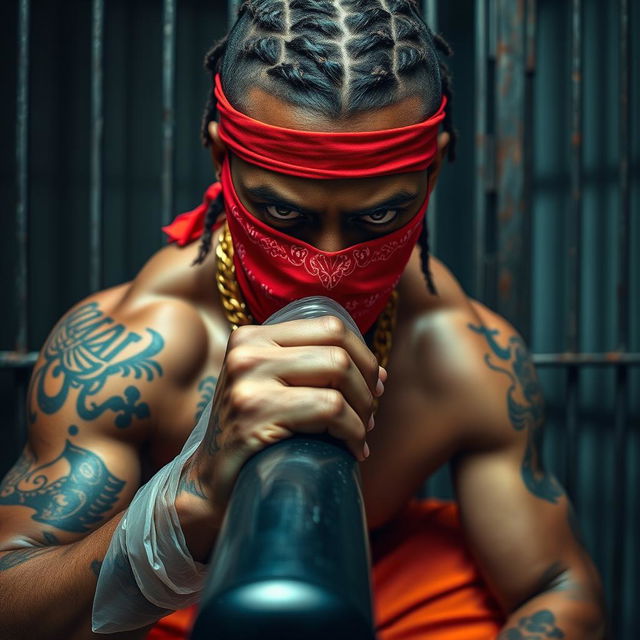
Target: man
column 116, row 387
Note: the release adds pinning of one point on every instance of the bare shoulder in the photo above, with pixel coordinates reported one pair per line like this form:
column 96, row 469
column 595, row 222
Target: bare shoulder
column 474, row 359
column 118, row 352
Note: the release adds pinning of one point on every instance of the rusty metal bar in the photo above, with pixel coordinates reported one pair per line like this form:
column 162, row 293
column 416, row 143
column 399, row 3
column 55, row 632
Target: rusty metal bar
column 168, row 108
column 621, row 417
column 613, row 358
column 22, row 184
column 480, row 153
column 12, row 359
column 574, row 233
column 430, row 15
column 513, row 293
column 97, row 129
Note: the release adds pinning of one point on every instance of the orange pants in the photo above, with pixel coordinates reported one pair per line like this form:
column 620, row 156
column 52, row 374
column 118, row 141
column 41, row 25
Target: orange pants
column 425, row 584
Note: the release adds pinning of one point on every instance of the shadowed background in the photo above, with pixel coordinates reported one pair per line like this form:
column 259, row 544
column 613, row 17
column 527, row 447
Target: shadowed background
column 538, row 217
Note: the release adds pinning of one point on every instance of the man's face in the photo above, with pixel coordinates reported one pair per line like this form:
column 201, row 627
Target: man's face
column 330, row 214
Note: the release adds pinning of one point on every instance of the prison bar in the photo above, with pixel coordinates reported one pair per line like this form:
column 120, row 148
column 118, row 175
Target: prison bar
column 574, row 234
column 480, row 154
column 97, row 136
column 16, row 360
column 168, row 108
column 621, row 418
column 511, row 212
column 22, row 185
column 430, row 15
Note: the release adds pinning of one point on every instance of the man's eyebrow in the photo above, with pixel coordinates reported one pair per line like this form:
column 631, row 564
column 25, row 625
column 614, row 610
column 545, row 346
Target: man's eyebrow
column 266, row 193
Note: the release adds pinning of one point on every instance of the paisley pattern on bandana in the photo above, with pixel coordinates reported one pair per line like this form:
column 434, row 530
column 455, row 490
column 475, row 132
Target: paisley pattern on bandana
column 328, row 269
column 273, row 268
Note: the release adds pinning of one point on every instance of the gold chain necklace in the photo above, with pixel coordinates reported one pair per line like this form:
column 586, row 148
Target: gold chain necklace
column 238, row 314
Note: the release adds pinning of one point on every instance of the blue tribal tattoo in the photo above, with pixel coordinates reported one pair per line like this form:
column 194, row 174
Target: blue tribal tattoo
column 73, row 500
column 82, row 354
column 526, row 407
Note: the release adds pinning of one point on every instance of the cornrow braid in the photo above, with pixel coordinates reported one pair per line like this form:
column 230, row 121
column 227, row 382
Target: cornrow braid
column 312, row 55
column 215, row 208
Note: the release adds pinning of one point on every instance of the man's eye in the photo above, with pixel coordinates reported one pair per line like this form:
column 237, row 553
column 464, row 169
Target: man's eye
column 383, row 216
column 282, row 213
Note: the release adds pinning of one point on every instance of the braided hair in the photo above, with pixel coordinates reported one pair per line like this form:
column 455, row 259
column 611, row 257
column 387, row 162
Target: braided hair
column 335, row 58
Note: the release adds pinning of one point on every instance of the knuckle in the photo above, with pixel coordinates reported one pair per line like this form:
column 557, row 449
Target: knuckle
column 240, row 359
column 243, row 397
column 340, row 360
column 241, row 335
column 334, row 328
column 332, row 405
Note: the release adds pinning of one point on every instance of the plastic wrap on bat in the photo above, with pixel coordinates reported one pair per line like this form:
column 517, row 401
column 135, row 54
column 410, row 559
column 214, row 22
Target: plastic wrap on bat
column 292, row 558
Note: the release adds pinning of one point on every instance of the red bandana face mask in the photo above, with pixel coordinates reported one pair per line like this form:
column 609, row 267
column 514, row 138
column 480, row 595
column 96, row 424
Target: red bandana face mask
column 273, row 268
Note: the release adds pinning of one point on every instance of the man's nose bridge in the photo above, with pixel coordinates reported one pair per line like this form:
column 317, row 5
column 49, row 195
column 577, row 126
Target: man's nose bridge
column 331, row 234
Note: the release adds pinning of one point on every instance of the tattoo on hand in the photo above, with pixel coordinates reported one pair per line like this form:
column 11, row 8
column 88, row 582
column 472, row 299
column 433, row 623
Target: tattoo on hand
column 207, row 388
column 539, row 626
column 526, row 408
column 14, row 558
column 82, row 353
column 72, row 492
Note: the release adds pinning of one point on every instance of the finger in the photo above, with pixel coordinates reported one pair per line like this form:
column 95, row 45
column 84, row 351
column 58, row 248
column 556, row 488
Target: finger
column 314, row 410
column 325, row 366
column 326, row 330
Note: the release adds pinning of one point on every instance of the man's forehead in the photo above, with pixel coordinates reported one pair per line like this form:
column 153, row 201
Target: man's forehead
column 270, row 109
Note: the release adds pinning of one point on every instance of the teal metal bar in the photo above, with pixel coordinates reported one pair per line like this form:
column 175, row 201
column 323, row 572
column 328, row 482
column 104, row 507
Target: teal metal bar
column 97, row 130
column 22, row 176
column 168, row 109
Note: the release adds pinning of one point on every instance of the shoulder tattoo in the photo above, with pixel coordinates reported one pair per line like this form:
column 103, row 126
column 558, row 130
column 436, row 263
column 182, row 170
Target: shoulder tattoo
column 525, row 406
column 85, row 350
column 73, row 492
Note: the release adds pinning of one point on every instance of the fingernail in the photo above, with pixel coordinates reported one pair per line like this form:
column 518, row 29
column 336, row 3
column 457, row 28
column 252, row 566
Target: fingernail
column 379, row 388
column 372, row 423
column 382, row 374
column 366, row 451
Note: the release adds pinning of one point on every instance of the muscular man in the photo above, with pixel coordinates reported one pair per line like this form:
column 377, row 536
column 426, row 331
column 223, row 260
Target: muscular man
column 125, row 374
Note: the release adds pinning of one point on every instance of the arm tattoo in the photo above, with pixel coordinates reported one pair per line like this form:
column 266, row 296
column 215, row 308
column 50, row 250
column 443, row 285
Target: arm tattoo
column 72, row 502
column 539, row 626
column 525, row 406
column 211, row 438
column 14, row 558
column 207, row 388
column 191, row 486
column 82, row 353
column 96, row 565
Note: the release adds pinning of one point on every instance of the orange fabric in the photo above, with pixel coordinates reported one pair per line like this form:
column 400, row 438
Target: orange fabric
column 425, row 584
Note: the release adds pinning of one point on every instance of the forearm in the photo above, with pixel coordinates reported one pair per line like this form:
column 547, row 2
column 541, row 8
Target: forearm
column 47, row 592
column 568, row 610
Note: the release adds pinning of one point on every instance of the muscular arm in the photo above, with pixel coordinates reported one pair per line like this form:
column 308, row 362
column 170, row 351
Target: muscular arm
column 517, row 516
column 92, row 403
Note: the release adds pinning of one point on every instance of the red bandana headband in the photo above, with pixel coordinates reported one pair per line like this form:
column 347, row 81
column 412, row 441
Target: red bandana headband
column 328, row 155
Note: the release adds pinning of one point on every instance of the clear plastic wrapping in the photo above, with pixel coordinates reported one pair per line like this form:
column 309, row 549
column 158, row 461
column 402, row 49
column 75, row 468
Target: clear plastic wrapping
column 148, row 570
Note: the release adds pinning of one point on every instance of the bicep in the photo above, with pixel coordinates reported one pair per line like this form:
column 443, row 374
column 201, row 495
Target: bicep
column 88, row 412
column 516, row 514
column 521, row 539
